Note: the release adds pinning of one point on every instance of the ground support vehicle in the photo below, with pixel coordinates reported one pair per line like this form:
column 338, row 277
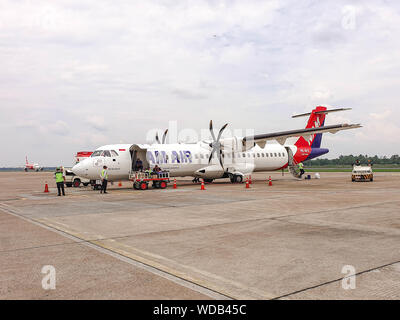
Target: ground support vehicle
column 141, row 180
column 362, row 173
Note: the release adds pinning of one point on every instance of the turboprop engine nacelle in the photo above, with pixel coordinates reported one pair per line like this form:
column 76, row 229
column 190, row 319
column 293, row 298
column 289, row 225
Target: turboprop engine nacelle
column 210, row 172
column 236, row 144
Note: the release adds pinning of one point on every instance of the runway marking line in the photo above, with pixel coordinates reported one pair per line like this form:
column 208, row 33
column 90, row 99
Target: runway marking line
column 237, row 290
column 78, row 239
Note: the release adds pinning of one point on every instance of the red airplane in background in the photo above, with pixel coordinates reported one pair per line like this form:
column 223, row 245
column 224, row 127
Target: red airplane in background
column 32, row 166
column 82, row 155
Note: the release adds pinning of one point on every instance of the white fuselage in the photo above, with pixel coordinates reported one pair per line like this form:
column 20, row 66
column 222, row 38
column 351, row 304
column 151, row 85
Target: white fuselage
column 181, row 160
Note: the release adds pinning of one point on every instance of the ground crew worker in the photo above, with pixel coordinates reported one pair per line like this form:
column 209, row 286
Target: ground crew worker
column 104, row 179
column 155, row 172
column 60, row 179
column 301, row 167
column 139, row 165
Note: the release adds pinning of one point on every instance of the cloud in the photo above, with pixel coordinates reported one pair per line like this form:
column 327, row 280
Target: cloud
column 187, row 94
column 381, row 116
column 59, row 127
column 97, row 122
column 86, row 73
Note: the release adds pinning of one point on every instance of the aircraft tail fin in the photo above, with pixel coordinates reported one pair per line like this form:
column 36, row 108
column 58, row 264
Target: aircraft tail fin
column 316, row 120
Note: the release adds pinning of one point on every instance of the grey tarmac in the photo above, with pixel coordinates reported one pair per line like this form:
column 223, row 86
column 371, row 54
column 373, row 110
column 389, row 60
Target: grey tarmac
column 290, row 240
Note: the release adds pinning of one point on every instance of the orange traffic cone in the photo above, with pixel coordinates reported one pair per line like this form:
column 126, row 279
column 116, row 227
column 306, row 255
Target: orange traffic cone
column 202, row 185
column 250, row 179
column 46, row 188
column 270, row 181
column 120, row 184
column 247, row 183
column 174, row 183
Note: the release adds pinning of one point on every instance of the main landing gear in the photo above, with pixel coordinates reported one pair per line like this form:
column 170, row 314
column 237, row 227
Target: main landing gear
column 198, row 180
column 236, row 178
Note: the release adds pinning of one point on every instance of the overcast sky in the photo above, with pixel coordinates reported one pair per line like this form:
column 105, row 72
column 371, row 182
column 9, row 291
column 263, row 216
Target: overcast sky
column 77, row 74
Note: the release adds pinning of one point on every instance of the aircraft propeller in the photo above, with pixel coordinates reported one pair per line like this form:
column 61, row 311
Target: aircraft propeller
column 216, row 145
column 164, row 138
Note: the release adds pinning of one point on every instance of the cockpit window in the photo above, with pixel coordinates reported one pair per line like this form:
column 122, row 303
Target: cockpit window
column 114, row 153
column 106, row 153
column 97, row 153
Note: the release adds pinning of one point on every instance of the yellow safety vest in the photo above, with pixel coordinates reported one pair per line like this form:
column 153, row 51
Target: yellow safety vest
column 59, row 177
column 104, row 174
column 300, row 165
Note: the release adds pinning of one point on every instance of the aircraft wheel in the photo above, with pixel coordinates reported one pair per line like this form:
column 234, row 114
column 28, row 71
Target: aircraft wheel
column 86, row 184
column 238, row 179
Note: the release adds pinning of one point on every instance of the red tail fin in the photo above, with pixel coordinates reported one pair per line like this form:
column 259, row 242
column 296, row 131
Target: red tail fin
column 314, row 121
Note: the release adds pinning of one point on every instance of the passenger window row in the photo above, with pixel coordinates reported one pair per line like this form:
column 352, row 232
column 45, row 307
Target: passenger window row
column 244, row 155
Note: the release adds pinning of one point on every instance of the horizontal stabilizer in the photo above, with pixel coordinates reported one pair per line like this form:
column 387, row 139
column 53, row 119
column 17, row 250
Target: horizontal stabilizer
column 320, row 112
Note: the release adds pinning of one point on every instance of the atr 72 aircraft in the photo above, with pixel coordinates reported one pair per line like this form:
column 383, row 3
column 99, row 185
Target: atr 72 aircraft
column 232, row 157
column 32, row 166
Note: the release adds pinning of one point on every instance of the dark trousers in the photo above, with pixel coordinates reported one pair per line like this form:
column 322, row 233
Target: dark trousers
column 301, row 172
column 60, row 186
column 104, row 186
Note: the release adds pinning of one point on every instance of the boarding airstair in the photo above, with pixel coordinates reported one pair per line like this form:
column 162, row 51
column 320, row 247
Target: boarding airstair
column 292, row 164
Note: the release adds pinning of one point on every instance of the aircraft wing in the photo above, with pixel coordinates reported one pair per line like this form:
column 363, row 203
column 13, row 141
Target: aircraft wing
column 306, row 133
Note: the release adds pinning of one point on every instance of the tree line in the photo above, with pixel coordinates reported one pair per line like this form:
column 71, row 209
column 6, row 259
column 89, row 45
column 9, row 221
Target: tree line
column 350, row 159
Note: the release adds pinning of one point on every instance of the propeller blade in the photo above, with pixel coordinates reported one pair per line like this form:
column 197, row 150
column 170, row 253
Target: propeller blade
column 220, row 131
column 157, row 139
column 164, row 138
column 220, row 159
column 212, row 131
column 211, row 155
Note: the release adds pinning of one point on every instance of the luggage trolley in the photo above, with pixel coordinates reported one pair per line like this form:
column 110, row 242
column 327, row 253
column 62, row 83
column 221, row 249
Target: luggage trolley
column 141, row 180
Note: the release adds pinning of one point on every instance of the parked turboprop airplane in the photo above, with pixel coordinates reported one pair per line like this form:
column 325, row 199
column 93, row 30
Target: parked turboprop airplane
column 231, row 157
column 32, row 166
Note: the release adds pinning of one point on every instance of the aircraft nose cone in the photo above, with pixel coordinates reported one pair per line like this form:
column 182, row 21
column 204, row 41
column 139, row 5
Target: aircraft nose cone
column 77, row 169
